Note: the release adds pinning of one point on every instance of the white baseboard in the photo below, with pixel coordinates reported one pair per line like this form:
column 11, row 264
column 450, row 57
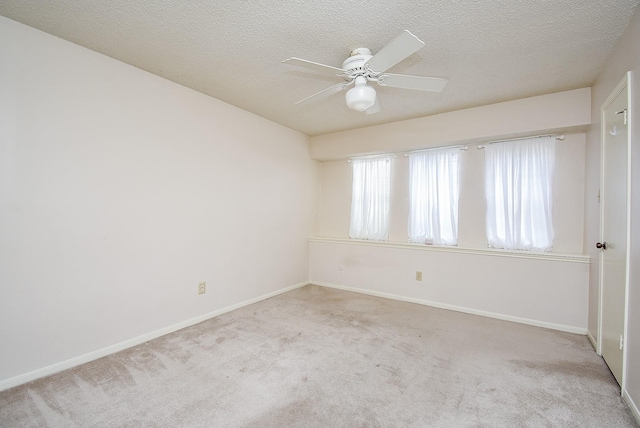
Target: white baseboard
column 67, row 364
column 552, row 326
column 632, row 405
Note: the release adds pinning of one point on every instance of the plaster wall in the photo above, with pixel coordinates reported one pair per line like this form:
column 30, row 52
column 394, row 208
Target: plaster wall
column 559, row 112
column 540, row 289
column 120, row 191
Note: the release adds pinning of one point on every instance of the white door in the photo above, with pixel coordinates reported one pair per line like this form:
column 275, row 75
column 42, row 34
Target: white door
column 613, row 231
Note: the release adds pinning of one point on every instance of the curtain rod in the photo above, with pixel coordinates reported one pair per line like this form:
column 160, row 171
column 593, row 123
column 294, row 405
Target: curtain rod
column 406, row 154
column 460, row 146
column 388, row 155
column 482, row 146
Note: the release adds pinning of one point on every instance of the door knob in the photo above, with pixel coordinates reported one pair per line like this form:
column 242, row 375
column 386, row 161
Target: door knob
column 601, row 245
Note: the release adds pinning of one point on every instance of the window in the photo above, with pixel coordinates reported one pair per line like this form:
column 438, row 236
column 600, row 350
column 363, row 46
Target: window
column 370, row 198
column 433, row 197
column 519, row 193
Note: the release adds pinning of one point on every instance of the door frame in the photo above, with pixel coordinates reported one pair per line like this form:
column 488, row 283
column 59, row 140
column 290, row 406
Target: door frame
column 624, row 85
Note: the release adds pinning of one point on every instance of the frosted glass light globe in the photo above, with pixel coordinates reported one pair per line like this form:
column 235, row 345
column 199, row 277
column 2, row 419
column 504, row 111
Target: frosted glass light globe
column 360, row 97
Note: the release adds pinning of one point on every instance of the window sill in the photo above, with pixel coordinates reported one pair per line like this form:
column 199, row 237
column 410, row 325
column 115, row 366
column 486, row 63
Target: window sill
column 561, row 257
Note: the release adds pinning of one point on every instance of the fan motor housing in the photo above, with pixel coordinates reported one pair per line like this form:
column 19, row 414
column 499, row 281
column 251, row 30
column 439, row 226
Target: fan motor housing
column 354, row 64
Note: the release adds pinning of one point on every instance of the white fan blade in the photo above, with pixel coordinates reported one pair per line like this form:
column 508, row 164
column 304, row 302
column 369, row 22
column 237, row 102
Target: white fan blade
column 394, row 52
column 375, row 108
column 313, row 65
column 325, row 93
column 431, row 84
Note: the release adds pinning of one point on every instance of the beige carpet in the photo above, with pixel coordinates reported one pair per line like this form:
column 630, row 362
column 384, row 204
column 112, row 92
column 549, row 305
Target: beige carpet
column 317, row 357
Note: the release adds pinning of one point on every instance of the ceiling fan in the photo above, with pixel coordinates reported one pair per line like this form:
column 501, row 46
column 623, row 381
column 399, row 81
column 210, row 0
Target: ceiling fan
column 362, row 67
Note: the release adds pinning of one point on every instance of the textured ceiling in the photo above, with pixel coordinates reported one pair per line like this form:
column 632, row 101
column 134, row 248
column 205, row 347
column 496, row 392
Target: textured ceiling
column 490, row 50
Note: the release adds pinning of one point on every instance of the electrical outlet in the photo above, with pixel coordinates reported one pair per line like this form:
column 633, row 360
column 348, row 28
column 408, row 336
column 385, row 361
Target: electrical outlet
column 418, row 276
column 202, row 287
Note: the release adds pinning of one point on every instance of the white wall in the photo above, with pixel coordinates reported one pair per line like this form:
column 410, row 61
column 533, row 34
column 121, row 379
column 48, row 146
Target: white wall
column 626, row 57
column 567, row 111
column 550, row 290
column 120, row 191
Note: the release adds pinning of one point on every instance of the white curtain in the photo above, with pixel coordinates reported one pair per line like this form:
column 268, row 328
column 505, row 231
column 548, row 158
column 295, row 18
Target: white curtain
column 370, row 198
column 519, row 193
column 433, row 192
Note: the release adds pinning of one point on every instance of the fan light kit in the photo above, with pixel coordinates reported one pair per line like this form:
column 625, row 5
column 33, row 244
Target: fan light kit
column 362, row 67
column 361, row 97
